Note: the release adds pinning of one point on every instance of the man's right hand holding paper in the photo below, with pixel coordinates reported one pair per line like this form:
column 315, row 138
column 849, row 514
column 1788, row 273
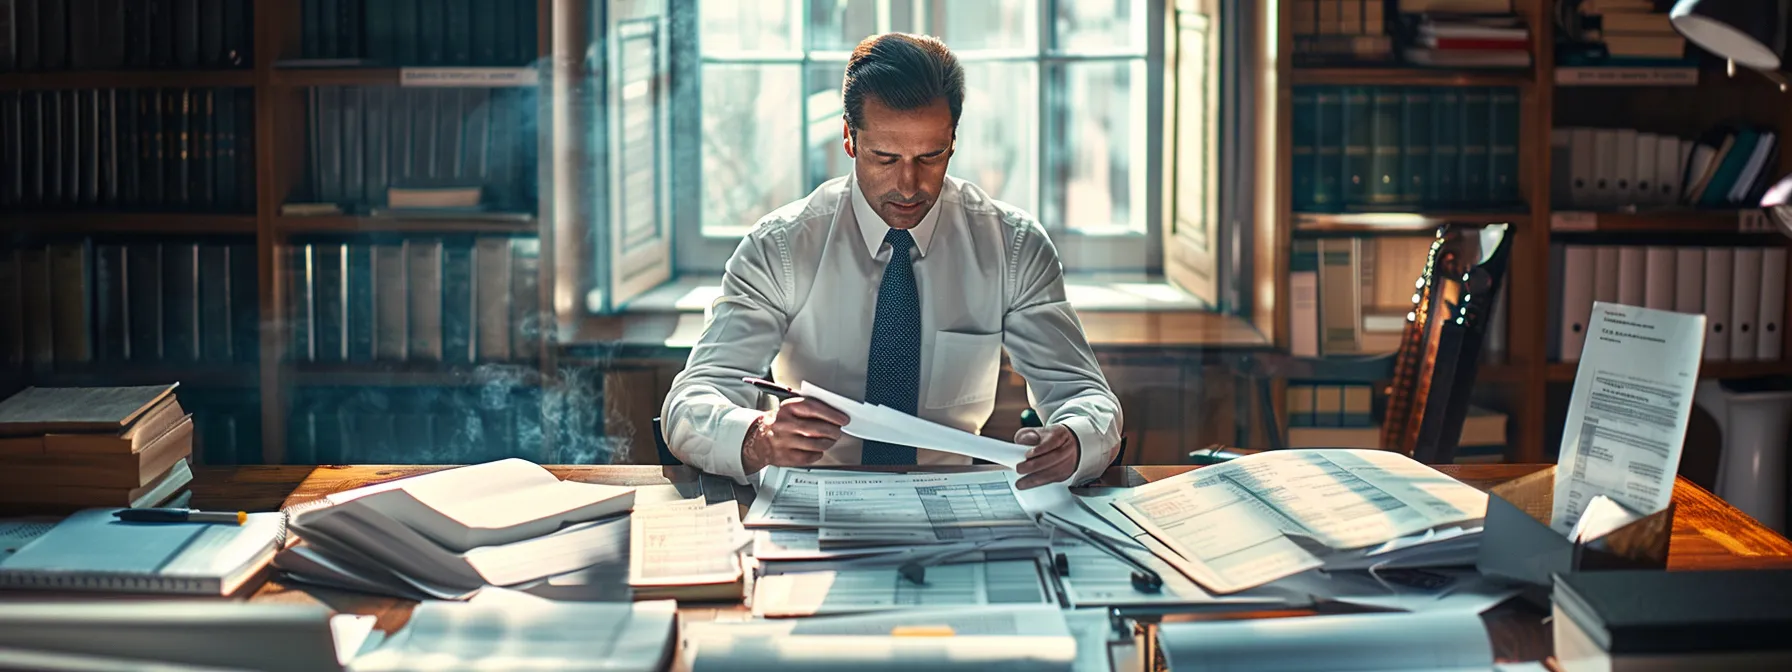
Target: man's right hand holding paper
column 795, row 434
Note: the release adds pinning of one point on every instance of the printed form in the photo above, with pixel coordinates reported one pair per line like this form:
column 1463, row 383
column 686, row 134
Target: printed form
column 685, row 543
column 1627, row 419
column 1233, row 526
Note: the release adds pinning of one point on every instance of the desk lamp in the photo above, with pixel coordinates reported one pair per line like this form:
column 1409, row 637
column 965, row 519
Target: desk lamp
column 1739, row 31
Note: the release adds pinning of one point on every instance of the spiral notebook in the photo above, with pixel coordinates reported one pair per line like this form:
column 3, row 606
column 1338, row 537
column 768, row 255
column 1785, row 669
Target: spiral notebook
column 93, row 551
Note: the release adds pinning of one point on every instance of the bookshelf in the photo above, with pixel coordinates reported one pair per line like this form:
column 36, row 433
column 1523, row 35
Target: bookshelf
column 1524, row 381
column 264, row 47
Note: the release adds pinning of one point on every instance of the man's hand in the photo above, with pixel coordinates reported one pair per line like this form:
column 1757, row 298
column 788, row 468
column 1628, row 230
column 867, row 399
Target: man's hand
column 795, row 434
column 1054, row 456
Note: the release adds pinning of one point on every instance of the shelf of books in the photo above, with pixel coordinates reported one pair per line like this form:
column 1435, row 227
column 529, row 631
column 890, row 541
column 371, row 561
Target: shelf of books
column 1629, row 173
column 222, row 193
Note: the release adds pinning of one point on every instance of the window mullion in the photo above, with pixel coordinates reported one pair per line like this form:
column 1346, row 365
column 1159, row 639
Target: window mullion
column 1047, row 116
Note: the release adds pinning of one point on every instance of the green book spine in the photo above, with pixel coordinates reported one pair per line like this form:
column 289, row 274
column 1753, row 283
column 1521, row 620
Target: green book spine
column 1446, row 125
column 1359, row 138
column 380, row 26
column 1328, row 104
column 1503, row 162
column 1384, row 158
column 1305, row 144
column 1475, row 143
column 1415, row 155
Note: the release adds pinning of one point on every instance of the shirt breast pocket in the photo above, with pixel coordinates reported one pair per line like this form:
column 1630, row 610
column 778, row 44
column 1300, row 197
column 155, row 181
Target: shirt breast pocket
column 965, row 367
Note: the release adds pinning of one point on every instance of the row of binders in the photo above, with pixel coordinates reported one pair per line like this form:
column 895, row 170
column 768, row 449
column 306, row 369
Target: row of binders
column 53, row 35
column 1603, row 169
column 1394, row 147
column 179, row 150
column 453, row 299
column 1740, row 290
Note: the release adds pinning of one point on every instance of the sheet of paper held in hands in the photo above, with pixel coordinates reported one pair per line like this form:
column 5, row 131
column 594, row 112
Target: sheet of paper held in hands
column 1627, row 418
column 880, row 423
column 1230, row 526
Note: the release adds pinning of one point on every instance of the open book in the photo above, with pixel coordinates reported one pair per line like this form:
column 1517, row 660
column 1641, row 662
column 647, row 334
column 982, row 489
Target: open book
column 482, row 505
column 1256, row 519
column 447, row 533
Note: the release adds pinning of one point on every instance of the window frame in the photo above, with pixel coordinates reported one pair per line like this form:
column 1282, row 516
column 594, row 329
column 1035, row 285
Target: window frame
column 1135, row 251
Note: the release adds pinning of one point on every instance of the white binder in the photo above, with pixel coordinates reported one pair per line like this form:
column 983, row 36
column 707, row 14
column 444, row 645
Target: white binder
column 1633, row 274
column 1605, row 168
column 1718, row 261
column 1605, row 274
column 1623, row 167
column 1770, row 327
column 1745, row 302
column 1689, row 280
column 1667, row 170
column 1577, row 299
column 1642, row 185
column 1581, row 164
column 1658, row 280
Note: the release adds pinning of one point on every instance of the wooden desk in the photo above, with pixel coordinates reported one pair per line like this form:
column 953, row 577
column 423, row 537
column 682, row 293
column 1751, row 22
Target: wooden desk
column 1708, row 533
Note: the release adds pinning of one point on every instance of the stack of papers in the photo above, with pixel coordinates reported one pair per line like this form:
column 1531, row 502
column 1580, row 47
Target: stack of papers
column 447, row 534
column 685, row 550
column 1254, row 520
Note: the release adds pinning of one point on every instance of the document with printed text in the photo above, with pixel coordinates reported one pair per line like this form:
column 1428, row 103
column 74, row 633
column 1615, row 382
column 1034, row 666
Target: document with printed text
column 685, row 543
column 1628, row 414
column 1233, row 526
column 874, row 589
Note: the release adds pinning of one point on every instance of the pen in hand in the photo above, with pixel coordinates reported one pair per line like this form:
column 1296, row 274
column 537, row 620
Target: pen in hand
column 181, row 516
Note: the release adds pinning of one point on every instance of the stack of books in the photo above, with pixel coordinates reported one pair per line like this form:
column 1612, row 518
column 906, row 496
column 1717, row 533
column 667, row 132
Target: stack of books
column 1468, row 41
column 1341, row 32
column 76, row 447
column 1614, row 42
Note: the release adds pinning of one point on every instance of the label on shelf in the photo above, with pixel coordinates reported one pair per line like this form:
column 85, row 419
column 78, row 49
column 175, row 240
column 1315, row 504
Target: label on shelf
column 1622, row 76
column 1573, row 221
column 465, row 77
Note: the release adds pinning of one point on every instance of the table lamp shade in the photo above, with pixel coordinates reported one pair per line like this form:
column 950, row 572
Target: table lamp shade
column 1739, row 30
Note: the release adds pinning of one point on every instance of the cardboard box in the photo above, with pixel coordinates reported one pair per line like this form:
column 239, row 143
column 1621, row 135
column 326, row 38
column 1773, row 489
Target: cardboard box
column 1518, row 545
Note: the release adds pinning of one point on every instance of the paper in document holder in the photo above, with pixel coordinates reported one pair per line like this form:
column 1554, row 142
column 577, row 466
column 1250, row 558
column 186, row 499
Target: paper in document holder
column 1517, row 543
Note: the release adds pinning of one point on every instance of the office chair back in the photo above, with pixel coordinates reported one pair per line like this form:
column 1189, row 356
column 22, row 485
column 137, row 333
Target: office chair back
column 1440, row 349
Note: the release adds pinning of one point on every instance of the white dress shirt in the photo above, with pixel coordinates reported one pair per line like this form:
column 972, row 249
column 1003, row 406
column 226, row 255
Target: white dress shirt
column 800, row 294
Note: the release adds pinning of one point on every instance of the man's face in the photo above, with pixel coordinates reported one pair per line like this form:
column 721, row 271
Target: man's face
column 900, row 158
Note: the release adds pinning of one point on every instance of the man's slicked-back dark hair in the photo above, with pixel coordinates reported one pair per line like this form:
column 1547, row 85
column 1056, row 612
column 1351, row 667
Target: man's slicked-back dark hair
column 904, row 72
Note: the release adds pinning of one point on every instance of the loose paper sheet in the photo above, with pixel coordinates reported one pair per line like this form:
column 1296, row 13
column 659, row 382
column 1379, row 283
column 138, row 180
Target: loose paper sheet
column 860, row 590
column 881, row 423
column 1020, row 637
column 514, row 633
column 1097, row 579
column 1627, row 419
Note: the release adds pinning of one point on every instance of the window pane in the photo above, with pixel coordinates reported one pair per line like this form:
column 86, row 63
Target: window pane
column 1100, row 151
column 998, row 134
column 752, row 144
column 1100, row 25
column 827, row 159
column 976, row 25
column 838, row 25
column 735, row 26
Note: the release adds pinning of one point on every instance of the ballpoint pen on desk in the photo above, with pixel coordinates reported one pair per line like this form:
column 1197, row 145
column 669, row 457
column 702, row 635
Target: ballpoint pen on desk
column 1144, row 579
column 181, row 516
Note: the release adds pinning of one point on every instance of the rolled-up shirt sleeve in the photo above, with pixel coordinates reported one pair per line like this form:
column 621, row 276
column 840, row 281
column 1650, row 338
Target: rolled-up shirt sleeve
column 1046, row 344
column 708, row 411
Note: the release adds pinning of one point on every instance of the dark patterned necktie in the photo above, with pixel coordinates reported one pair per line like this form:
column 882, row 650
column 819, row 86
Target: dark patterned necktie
column 893, row 369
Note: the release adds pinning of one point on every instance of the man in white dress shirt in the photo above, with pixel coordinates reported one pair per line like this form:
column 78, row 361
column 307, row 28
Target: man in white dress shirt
column 897, row 283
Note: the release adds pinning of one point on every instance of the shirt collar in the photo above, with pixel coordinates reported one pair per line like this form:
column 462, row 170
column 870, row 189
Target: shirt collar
column 873, row 227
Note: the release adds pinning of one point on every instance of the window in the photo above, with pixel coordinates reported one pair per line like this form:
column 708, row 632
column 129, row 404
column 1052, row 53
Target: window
column 1102, row 118
column 1055, row 116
